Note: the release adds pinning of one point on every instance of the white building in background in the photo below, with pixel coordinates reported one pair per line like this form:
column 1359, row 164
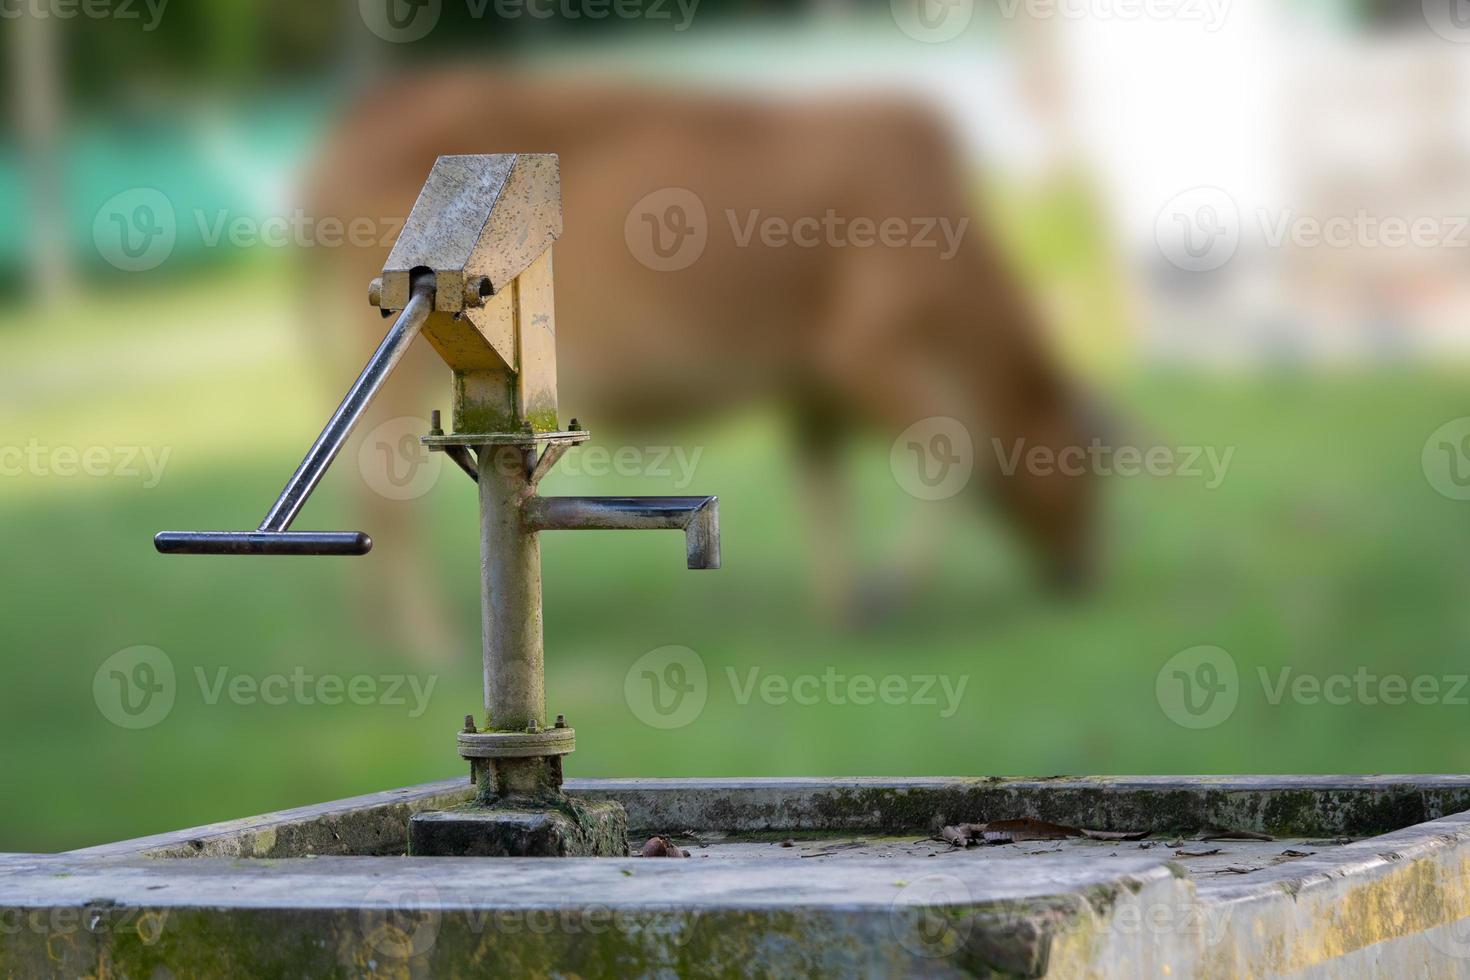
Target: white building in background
column 1343, row 155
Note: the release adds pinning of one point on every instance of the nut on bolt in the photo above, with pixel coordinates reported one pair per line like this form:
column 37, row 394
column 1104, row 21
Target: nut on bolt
column 476, row 290
column 375, row 291
column 561, row 721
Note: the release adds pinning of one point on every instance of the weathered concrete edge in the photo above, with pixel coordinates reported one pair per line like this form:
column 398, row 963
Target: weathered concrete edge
column 603, row 917
column 373, row 824
column 1393, row 900
column 1305, row 805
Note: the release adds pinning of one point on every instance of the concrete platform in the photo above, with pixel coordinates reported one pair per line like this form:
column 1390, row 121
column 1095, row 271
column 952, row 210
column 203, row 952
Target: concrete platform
column 861, row 890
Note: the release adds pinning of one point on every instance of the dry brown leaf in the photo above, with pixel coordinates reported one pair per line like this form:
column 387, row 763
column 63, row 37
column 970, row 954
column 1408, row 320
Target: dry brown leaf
column 662, row 847
column 1114, row 834
column 1029, row 828
column 1223, row 833
column 1196, row 854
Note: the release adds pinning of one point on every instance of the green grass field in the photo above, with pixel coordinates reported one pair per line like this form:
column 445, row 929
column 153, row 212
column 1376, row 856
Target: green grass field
column 1325, row 549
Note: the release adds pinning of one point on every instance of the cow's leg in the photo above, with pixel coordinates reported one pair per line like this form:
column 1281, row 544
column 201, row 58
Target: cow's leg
column 826, row 506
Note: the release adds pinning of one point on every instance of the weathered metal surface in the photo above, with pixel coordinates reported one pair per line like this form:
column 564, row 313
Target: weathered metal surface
column 697, row 517
column 1397, row 904
column 515, row 695
column 518, row 438
column 485, row 216
column 517, row 745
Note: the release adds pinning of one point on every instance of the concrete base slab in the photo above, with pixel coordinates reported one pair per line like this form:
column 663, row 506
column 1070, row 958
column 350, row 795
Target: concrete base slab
column 1377, row 880
column 574, row 828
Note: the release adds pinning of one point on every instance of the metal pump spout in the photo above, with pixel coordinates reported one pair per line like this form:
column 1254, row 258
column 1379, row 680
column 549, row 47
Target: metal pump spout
column 697, row 517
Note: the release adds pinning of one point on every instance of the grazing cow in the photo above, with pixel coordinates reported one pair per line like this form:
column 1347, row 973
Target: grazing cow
column 721, row 251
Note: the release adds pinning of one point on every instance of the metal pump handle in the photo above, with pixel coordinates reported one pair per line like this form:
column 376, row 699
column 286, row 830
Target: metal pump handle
column 274, row 536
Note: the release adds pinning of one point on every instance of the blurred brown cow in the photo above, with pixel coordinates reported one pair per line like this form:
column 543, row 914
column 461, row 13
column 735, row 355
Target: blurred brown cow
column 877, row 337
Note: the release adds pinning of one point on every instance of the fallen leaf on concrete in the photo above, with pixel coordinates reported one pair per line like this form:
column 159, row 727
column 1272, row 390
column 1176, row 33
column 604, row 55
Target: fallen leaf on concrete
column 662, row 847
column 961, row 835
column 1223, row 833
column 1005, row 832
column 1029, row 828
column 1234, row 869
column 1196, row 854
column 1114, row 834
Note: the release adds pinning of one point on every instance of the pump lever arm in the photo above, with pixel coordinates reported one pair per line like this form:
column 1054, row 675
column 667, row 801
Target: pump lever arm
column 274, row 536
